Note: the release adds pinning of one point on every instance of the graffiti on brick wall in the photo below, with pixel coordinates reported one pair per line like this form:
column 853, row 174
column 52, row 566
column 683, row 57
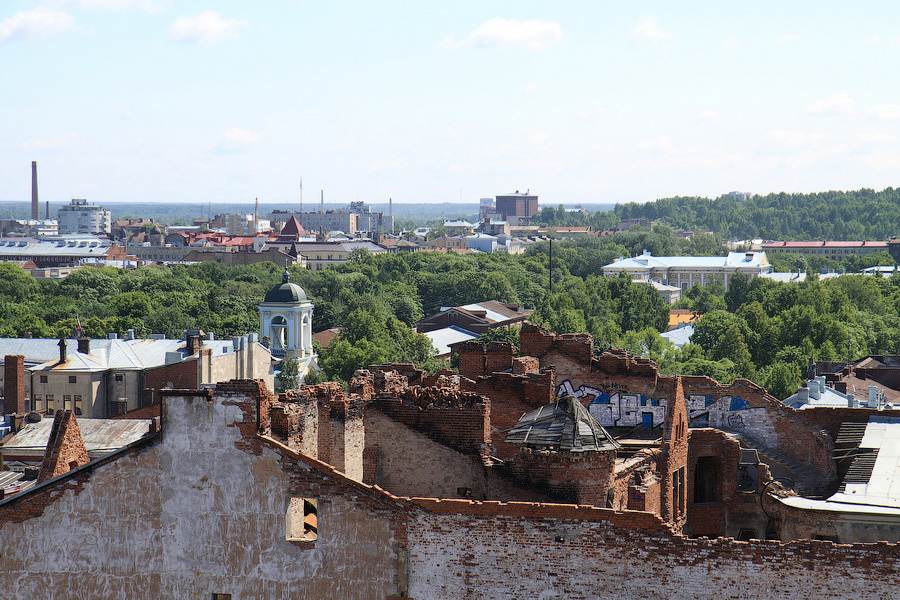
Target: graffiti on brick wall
column 618, row 407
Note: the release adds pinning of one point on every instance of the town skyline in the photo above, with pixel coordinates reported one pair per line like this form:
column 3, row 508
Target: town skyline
column 149, row 100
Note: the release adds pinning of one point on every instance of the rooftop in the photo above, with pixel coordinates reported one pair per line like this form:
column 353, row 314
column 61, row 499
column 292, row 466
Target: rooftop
column 564, row 425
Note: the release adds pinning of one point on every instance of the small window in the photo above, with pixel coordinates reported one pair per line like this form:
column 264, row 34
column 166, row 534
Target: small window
column 50, row 405
column 38, row 402
column 302, row 520
column 119, row 378
column 73, row 379
column 78, row 405
column 67, row 402
column 216, row 596
column 43, row 379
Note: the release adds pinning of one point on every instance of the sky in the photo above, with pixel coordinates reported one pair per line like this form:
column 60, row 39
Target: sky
column 421, row 102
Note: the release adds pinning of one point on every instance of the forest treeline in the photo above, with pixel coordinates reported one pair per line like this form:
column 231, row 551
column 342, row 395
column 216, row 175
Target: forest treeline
column 853, row 215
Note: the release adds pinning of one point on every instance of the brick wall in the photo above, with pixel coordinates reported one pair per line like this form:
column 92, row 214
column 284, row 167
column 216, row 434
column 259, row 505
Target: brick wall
column 459, row 420
column 409, row 463
column 569, row 477
column 65, row 447
column 505, row 551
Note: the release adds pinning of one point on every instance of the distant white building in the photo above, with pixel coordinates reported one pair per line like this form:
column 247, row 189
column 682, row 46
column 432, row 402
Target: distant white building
column 83, row 218
column 686, row 271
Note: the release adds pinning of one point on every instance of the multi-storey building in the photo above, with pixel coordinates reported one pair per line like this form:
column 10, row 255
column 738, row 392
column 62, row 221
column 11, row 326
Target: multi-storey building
column 83, row 218
column 686, row 271
column 517, row 208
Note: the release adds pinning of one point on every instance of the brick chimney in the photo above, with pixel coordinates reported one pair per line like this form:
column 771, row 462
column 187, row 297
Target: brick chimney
column 62, row 349
column 14, row 383
column 84, row 345
column 65, row 449
column 193, row 340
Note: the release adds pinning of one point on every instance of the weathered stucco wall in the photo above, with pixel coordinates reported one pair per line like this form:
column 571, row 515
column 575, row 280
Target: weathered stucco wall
column 192, row 515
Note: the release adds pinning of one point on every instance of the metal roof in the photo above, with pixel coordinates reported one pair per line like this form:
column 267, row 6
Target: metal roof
column 99, row 435
column 564, row 425
column 442, row 338
column 733, row 260
column 882, row 486
column 104, row 353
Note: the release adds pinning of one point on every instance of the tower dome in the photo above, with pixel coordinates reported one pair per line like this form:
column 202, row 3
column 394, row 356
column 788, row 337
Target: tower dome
column 286, row 291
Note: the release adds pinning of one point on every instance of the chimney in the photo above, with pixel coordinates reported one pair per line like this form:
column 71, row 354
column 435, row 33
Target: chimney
column 84, row 345
column 193, row 340
column 130, row 335
column 14, row 383
column 803, row 395
column 815, row 392
column 873, row 397
column 35, row 210
column 62, row 349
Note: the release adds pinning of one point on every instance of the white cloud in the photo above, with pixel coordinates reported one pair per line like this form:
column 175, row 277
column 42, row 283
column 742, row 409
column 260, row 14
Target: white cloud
column 708, row 115
column 150, row 6
column 590, row 113
column 886, row 112
column 498, row 33
column 731, row 43
column 237, row 139
column 648, row 30
column 530, row 89
column 208, row 27
column 36, row 24
column 839, row 104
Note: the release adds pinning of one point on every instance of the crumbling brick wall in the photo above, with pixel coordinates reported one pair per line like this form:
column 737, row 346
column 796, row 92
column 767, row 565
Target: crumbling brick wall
column 570, row 477
column 460, row 420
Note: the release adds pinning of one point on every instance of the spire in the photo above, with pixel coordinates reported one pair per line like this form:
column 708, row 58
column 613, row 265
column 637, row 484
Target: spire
column 285, row 277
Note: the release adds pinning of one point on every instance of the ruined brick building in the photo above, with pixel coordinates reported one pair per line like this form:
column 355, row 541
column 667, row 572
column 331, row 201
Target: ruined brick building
column 487, row 483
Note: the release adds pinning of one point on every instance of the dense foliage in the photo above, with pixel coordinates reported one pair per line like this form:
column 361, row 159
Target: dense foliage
column 858, row 215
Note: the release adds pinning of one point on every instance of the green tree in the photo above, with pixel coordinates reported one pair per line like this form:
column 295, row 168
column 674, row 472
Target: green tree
column 288, row 378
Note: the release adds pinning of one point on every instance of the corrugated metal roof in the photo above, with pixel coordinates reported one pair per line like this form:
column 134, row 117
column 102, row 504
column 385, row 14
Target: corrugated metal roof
column 99, row 435
column 564, row 425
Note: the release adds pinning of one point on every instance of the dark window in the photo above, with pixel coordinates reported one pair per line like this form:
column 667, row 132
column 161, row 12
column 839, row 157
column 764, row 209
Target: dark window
column 745, row 535
column 43, row 379
column 705, row 480
column 73, row 379
column 119, row 378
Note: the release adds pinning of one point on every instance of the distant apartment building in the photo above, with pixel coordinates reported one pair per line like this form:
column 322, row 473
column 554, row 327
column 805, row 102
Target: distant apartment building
column 686, row 271
column 328, row 220
column 243, row 224
column 83, row 218
column 517, row 208
column 833, row 250
column 371, row 222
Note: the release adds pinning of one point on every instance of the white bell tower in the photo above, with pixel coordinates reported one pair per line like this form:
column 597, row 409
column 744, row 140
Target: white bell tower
column 285, row 319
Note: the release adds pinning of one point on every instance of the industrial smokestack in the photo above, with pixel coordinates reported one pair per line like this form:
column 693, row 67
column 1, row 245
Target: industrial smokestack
column 35, row 210
column 47, row 211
